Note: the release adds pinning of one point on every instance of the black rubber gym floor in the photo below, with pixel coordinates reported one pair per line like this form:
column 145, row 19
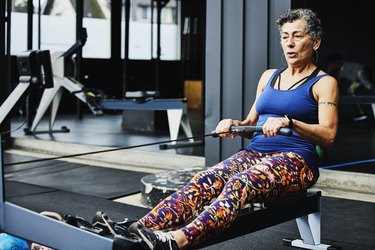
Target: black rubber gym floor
column 38, row 199
column 102, row 182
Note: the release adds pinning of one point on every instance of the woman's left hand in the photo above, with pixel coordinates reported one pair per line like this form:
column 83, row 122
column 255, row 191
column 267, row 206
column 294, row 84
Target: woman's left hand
column 273, row 124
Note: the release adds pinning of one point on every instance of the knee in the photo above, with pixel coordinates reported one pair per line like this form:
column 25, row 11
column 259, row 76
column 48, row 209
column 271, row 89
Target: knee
column 237, row 181
column 237, row 188
column 208, row 178
column 201, row 176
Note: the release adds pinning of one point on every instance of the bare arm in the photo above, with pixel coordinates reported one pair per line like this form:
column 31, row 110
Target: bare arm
column 252, row 116
column 324, row 133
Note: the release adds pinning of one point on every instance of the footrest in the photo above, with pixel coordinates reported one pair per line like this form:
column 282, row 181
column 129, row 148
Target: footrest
column 63, row 129
column 299, row 243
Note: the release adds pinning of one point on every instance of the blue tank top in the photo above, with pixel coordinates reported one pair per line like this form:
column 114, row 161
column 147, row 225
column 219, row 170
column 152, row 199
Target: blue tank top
column 299, row 104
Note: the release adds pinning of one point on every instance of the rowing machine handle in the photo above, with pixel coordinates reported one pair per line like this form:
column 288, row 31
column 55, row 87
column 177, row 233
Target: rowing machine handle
column 250, row 129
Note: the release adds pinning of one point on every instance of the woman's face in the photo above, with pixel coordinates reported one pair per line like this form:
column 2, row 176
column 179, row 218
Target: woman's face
column 297, row 45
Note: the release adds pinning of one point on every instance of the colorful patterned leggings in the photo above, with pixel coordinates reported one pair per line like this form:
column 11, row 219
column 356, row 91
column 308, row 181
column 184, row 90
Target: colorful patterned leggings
column 210, row 202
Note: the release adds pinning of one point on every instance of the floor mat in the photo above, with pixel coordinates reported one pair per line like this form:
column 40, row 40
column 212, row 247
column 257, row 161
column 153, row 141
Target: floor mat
column 17, row 189
column 31, row 168
column 102, row 182
column 76, row 204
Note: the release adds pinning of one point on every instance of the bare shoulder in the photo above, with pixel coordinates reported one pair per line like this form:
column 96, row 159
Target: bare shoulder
column 268, row 73
column 327, row 85
column 326, row 82
column 265, row 77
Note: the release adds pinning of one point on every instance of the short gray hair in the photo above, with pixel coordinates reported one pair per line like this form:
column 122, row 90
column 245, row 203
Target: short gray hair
column 313, row 23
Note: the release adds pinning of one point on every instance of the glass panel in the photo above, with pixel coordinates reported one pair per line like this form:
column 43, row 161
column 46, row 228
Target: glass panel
column 143, row 30
column 97, row 21
column 19, row 26
column 58, row 25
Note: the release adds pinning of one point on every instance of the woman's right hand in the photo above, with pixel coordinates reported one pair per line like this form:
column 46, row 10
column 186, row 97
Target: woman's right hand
column 223, row 128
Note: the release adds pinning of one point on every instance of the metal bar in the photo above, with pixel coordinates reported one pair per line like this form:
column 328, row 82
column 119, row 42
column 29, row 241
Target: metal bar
column 12, row 100
column 32, row 226
column 30, row 12
column 2, row 191
column 309, row 228
column 159, row 104
column 357, row 99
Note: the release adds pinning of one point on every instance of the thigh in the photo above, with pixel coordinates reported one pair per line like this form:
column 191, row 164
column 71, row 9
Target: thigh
column 291, row 171
column 276, row 175
column 223, row 171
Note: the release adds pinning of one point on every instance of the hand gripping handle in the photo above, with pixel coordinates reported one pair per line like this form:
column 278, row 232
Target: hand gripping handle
column 250, row 129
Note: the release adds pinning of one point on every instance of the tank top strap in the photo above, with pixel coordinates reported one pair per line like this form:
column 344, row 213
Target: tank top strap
column 309, row 84
column 314, row 79
column 273, row 78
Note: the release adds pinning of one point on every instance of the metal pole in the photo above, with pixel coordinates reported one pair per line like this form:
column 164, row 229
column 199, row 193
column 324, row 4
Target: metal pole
column 5, row 63
column 158, row 48
column 152, row 29
column 39, row 24
column 79, row 26
column 30, row 12
column 126, row 46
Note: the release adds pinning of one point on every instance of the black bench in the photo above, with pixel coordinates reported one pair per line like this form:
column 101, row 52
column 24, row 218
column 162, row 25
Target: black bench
column 303, row 207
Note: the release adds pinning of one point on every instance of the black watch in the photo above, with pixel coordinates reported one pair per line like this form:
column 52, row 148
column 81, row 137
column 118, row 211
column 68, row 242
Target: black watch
column 290, row 125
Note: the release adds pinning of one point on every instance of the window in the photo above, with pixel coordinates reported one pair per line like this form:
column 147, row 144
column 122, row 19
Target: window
column 55, row 28
column 143, row 30
column 97, row 21
column 57, row 25
column 18, row 26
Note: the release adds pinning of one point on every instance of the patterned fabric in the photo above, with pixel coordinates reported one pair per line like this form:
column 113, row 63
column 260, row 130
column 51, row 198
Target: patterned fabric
column 210, row 202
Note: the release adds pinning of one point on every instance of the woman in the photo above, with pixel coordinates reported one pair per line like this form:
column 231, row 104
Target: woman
column 300, row 97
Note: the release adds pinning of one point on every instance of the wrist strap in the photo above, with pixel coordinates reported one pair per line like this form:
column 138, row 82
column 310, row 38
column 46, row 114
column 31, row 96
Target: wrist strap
column 290, row 125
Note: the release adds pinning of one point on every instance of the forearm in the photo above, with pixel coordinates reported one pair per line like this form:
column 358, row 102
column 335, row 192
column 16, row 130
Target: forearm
column 316, row 133
column 251, row 118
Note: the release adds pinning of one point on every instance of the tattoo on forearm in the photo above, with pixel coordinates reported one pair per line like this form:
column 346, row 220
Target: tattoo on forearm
column 329, row 103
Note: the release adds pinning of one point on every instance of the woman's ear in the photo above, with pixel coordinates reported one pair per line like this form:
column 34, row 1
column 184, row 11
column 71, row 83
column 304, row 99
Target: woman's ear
column 317, row 43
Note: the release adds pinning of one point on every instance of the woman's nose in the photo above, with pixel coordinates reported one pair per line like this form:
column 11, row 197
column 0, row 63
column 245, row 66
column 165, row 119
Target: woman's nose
column 290, row 42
